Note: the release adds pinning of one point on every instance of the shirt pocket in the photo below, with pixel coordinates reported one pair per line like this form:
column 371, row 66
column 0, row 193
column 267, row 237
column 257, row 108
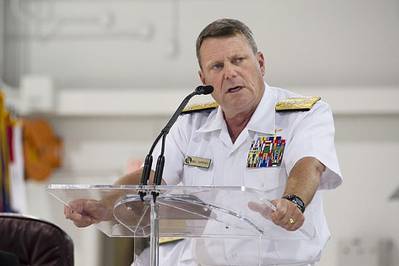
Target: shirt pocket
column 266, row 179
column 197, row 176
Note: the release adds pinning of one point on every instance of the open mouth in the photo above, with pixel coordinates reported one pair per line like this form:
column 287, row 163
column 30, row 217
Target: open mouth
column 234, row 89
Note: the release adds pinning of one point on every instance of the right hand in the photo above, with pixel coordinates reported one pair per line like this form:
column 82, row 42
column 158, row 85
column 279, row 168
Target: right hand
column 84, row 212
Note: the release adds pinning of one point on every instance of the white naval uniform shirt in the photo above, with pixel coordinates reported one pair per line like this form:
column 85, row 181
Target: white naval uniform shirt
column 204, row 134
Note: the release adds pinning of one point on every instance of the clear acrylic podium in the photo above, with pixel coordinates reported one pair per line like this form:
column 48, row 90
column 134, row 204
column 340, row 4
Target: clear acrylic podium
column 210, row 217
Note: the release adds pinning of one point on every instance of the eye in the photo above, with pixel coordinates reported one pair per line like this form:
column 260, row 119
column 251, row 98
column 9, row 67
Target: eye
column 238, row 60
column 217, row 66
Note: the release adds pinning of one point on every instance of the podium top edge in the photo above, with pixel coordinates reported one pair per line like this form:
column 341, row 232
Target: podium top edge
column 150, row 187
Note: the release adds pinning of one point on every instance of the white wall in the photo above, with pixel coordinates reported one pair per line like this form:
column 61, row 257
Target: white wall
column 308, row 42
column 14, row 47
column 368, row 149
column 99, row 145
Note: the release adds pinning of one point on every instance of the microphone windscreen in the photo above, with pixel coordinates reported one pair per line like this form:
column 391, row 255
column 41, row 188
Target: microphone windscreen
column 204, row 89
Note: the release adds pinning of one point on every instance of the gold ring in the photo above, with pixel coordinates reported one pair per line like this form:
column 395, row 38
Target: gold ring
column 292, row 221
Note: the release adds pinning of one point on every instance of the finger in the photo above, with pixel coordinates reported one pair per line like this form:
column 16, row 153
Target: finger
column 279, row 214
column 71, row 213
column 295, row 219
column 254, row 206
column 284, row 222
column 291, row 218
column 82, row 221
column 276, row 214
column 274, row 202
column 77, row 217
column 263, row 209
column 288, row 219
column 299, row 220
column 67, row 212
column 74, row 216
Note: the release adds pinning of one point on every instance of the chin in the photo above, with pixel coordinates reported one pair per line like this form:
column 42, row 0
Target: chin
column 239, row 107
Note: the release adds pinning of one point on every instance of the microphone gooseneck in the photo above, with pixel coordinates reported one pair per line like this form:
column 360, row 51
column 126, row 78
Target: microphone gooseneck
column 200, row 90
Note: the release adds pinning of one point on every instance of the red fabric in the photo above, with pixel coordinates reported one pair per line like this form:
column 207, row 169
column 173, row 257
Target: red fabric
column 10, row 141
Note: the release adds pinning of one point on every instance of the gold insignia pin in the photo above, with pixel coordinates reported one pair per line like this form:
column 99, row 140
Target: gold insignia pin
column 197, row 162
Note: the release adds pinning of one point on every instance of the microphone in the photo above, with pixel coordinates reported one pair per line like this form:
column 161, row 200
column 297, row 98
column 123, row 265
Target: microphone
column 204, row 89
column 200, row 90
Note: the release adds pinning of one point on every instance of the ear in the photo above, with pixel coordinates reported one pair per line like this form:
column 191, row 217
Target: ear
column 261, row 60
column 201, row 76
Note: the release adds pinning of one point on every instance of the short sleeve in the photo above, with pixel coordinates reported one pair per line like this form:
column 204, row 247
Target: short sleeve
column 313, row 136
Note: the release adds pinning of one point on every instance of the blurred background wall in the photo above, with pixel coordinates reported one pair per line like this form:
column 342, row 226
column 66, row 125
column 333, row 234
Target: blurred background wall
column 306, row 43
column 114, row 71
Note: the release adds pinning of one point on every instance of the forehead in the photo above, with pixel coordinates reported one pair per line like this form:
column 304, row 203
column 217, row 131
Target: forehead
column 215, row 48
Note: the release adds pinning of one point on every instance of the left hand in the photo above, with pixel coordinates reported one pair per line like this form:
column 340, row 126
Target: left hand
column 85, row 212
column 287, row 215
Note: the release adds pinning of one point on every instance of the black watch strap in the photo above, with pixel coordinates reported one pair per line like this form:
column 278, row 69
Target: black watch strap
column 297, row 200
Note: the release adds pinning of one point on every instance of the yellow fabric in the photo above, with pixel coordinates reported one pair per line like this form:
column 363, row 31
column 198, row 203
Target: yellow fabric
column 200, row 107
column 42, row 149
column 297, row 104
column 4, row 151
column 165, row 240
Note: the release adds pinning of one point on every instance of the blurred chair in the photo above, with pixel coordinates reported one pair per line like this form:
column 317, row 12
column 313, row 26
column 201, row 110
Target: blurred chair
column 34, row 241
column 8, row 259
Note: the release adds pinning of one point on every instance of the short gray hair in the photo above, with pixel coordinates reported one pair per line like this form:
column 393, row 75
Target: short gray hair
column 225, row 27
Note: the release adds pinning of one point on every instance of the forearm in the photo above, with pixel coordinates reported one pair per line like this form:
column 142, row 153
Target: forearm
column 134, row 178
column 130, row 179
column 304, row 179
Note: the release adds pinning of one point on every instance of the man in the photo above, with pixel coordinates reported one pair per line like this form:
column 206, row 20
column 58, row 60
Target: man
column 290, row 154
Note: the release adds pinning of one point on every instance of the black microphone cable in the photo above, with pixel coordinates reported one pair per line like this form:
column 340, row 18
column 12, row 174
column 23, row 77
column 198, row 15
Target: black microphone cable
column 200, row 90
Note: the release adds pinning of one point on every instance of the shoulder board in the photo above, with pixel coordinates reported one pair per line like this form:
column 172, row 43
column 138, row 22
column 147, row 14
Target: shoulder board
column 200, row 107
column 297, row 104
column 165, row 240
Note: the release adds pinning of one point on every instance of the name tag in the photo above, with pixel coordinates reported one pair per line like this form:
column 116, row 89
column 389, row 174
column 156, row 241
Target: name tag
column 197, row 162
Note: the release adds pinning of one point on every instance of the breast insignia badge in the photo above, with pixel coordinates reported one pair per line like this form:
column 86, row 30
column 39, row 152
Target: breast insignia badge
column 266, row 151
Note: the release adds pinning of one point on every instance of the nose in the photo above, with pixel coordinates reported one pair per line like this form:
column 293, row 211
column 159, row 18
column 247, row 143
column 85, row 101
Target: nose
column 229, row 71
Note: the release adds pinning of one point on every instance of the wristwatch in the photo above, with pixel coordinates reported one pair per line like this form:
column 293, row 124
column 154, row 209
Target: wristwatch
column 297, row 200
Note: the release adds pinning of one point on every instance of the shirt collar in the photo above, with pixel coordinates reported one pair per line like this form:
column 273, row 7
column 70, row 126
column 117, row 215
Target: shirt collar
column 214, row 122
column 262, row 120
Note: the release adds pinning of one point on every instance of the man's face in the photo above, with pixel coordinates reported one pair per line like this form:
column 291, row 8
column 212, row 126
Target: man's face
column 235, row 72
